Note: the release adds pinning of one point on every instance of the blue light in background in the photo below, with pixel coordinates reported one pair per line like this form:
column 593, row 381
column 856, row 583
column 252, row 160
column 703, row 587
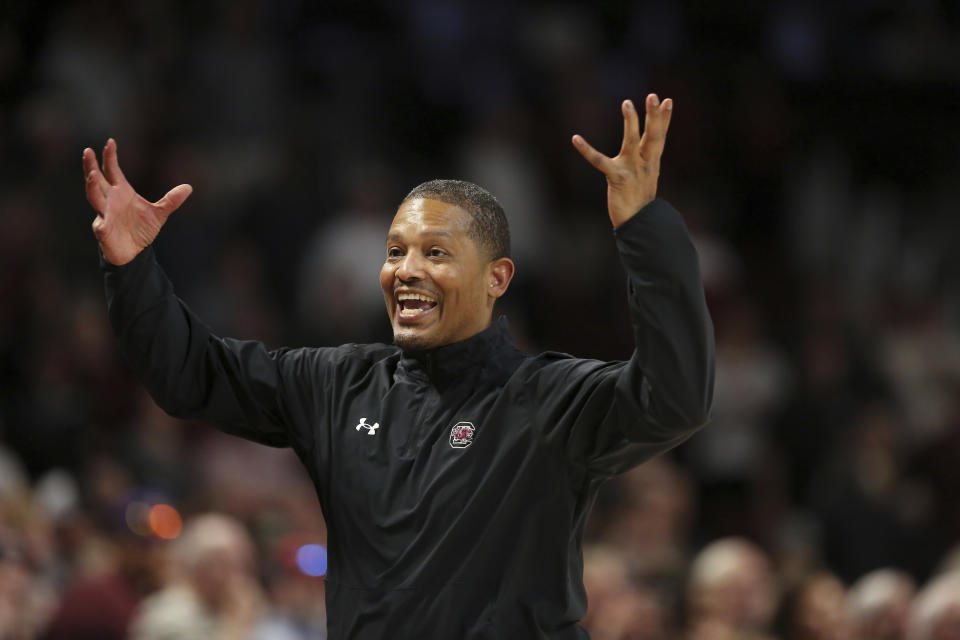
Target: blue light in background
column 312, row 559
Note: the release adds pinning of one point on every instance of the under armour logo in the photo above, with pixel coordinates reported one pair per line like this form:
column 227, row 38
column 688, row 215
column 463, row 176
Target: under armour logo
column 371, row 428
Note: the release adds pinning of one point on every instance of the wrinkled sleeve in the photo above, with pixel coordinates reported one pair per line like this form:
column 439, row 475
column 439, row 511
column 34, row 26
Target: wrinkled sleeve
column 239, row 386
column 611, row 416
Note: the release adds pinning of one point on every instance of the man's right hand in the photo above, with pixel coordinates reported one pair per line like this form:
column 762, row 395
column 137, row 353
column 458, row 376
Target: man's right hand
column 126, row 223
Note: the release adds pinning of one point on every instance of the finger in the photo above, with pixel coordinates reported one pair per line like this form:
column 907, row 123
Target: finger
column 111, row 166
column 95, row 195
column 594, row 157
column 655, row 127
column 174, row 198
column 96, row 185
column 631, row 126
column 90, row 167
column 92, row 173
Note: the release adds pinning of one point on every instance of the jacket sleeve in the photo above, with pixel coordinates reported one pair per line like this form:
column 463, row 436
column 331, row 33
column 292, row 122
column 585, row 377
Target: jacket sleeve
column 239, row 386
column 611, row 416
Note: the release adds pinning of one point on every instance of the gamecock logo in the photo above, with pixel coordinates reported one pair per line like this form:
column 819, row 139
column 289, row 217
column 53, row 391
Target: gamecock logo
column 461, row 436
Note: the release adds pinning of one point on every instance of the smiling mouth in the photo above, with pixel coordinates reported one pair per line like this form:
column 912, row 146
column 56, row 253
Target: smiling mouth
column 413, row 306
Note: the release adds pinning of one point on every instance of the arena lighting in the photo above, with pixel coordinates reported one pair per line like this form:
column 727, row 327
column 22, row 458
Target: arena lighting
column 165, row 521
column 312, row 559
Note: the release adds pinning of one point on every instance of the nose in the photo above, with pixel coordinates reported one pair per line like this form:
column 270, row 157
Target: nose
column 410, row 268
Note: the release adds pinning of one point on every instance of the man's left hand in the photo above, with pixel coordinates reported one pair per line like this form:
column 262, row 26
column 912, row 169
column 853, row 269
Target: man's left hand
column 632, row 174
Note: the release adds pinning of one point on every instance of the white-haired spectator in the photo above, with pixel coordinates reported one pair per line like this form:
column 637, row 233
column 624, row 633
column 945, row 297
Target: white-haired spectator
column 878, row 604
column 936, row 611
column 732, row 592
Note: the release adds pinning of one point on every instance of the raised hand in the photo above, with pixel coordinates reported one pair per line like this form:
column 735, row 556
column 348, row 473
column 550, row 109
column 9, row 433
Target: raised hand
column 632, row 174
column 126, row 223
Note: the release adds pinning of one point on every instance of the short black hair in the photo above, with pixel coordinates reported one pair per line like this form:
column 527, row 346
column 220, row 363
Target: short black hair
column 488, row 225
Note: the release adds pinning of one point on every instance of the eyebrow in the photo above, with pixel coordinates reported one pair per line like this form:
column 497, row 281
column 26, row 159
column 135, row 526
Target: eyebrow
column 393, row 237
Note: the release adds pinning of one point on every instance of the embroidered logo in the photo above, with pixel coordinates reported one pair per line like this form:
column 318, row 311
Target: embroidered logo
column 371, row 428
column 461, row 436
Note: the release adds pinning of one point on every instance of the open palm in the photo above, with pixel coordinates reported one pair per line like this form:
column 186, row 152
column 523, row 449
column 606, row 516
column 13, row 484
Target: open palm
column 126, row 223
column 632, row 174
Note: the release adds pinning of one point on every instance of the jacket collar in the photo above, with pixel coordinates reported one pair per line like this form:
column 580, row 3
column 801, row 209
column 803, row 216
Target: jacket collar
column 488, row 354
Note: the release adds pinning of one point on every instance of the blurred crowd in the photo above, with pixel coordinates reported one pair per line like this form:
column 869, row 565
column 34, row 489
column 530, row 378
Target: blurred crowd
column 811, row 153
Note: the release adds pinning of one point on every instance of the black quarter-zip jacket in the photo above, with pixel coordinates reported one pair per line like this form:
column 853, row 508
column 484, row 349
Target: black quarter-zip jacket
column 455, row 482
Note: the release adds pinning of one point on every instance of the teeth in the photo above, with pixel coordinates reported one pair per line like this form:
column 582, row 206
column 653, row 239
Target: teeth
column 409, row 312
column 415, row 296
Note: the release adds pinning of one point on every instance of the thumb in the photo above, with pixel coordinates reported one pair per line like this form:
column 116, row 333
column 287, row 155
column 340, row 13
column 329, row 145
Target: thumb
column 174, row 198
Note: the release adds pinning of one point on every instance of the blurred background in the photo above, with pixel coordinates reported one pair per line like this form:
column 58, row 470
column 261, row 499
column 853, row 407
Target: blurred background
column 813, row 153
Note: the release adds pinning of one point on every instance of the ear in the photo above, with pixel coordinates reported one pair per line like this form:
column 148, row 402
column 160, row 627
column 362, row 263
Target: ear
column 500, row 273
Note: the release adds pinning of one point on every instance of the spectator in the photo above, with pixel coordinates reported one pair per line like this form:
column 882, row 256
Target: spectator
column 936, row 612
column 878, row 605
column 814, row 610
column 212, row 592
column 731, row 592
column 617, row 608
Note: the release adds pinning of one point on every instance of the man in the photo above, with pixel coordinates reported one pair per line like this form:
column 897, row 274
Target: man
column 455, row 472
column 935, row 614
column 211, row 592
column 731, row 592
column 878, row 604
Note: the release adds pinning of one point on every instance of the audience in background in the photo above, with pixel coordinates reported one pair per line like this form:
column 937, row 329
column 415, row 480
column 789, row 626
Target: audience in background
column 878, row 604
column 814, row 610
column 211, row 591
column 812, row 152
column 731, row 592
column 936, row 612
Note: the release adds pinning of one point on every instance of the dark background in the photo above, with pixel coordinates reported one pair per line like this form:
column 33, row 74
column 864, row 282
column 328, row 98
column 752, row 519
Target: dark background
column 812, row 151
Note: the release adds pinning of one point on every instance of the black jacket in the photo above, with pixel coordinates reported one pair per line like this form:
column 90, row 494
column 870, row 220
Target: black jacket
column 455, row 482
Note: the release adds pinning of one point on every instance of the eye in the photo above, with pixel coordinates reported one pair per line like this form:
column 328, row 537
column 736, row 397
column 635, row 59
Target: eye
column 394, row 252
column 437, row 252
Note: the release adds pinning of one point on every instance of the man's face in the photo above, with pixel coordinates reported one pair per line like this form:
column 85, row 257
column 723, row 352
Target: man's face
column 435, row 278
